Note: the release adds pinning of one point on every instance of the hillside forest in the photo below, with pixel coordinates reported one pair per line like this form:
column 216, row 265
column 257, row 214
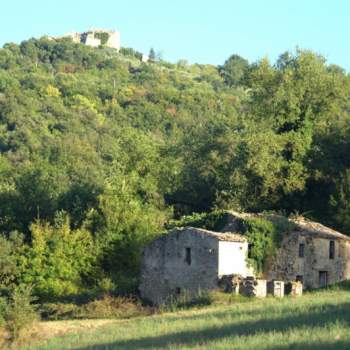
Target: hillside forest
column 99, row 152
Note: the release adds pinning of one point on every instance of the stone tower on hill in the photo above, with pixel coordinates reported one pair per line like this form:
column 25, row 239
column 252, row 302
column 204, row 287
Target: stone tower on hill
column 96, row 37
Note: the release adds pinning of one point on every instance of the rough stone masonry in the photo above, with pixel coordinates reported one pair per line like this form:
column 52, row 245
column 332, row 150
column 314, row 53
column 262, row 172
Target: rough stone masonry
column 192, row 259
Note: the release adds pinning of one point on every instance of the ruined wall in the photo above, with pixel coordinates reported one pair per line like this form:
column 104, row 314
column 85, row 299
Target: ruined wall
column 166, row 269
column 114, row 40
column 288, row 266
column 90, row 40
column 232, row 259
column 152, row 271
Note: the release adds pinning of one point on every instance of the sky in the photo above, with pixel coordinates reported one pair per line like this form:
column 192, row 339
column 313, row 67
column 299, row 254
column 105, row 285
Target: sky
column 198, row 31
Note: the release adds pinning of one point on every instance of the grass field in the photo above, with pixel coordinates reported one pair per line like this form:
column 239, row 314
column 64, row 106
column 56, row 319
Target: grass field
column 318, row 320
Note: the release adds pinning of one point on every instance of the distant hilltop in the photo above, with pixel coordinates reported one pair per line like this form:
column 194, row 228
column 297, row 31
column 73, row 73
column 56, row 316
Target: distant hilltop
column 95, row 38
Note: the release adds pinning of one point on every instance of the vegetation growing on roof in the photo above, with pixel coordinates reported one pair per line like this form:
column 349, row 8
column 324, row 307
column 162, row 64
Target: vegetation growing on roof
column 213, row 221
column 264, row 233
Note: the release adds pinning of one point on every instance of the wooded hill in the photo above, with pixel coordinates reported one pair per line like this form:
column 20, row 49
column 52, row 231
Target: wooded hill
column 99, row 151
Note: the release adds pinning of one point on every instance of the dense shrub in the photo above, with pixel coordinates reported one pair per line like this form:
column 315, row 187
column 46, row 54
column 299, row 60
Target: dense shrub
column 187, row 300
column 59, row 259
column 19, row 312
column 105, row 307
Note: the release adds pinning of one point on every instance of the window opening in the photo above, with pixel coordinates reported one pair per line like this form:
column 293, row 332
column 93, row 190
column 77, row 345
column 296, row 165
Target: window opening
column 188, row 257
column 331, row 249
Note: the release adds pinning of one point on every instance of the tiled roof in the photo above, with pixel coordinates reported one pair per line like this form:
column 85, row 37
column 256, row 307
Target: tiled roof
column 221, row 236
column 308, row 227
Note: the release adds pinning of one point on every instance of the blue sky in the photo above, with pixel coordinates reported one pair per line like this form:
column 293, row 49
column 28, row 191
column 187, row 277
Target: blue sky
column 199, row 31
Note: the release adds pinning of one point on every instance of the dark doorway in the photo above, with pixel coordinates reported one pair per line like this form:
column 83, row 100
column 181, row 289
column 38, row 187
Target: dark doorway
column 300, row 278
column 323, row 279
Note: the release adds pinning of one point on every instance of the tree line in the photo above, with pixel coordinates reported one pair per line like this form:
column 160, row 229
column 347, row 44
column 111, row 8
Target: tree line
column 99, row 151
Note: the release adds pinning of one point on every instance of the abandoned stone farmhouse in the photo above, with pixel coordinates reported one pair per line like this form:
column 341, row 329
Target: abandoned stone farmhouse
column 191, row 259
column 313, row 254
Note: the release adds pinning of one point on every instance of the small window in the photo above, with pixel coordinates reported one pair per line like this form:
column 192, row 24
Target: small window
column 331, row 249
column 177, row 290
column 188, row 257
column 299, row 278
column 301, row 250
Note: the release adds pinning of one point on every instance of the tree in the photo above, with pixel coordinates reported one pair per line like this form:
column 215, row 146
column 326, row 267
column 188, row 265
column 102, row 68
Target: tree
column 152, row 55
column 233, row 70
column 60, row 260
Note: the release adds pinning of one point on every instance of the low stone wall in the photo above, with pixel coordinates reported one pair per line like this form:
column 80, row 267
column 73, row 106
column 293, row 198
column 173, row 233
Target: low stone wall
column 294, row 288
column 230, row 283
column 275, row 288
column 252, row 287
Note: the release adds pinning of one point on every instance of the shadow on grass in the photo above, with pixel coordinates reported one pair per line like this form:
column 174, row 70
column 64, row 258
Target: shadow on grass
column 337, row 344
column 316, row 318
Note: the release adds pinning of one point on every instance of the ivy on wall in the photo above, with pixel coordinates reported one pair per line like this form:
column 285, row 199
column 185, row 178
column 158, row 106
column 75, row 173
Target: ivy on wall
column 103, row 37
column 264, row 235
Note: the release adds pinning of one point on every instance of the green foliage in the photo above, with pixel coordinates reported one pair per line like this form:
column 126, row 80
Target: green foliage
column 19, row 312
column 3, row 309
column 129, row 52
column 103, row 37
column 152, row 55
column 123, row 147
column 59, row 259
column 234, row 69
column 264, row 235
column 187, row 300
column 12, row 258
column 213, row 221
column 340, row 201
column 105, row 307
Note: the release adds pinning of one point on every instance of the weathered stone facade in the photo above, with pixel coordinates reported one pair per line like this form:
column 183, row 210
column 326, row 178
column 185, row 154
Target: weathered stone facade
column 313, row 254
column 189, row 260
column 193, row 259
column 310, row 253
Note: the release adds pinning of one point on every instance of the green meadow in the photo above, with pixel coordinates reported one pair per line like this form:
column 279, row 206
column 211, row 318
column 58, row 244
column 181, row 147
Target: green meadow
column 318, row 320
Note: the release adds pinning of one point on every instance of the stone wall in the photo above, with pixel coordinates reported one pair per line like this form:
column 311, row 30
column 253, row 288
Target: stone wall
column 90, row 40
column 114, row 40
column 288, row 266
column 183, row 261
